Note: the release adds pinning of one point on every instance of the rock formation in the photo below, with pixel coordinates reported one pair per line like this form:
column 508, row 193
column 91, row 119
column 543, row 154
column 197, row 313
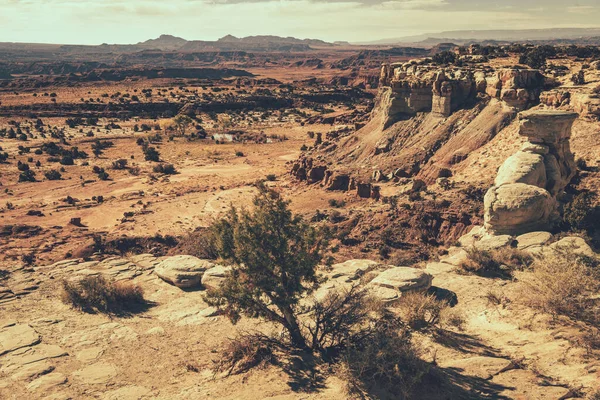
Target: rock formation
column 415, row 87
column 525, row 192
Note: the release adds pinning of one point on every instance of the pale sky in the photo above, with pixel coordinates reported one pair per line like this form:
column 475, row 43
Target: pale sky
column 131, row 21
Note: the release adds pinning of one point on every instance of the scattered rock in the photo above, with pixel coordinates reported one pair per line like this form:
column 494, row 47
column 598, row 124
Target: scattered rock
column 90, row 354
column 214, row 277
column 352, row 269
column 533, row 239
column 182, row 271
column 403, row 279
column 493, row 242
column 574, row 244
column 157, row 330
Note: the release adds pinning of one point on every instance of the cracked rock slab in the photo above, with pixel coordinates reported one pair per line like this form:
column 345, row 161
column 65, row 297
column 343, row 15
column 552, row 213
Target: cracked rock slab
column 96, row 373
column 17, row 336
column 47, row 382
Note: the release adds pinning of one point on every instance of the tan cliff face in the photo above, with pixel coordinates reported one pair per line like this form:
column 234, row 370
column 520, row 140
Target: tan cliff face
column 426, row 119
column 417, row 87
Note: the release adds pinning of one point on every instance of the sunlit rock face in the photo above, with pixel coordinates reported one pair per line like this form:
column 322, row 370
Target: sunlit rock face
column 524, row 196
column 415, row 86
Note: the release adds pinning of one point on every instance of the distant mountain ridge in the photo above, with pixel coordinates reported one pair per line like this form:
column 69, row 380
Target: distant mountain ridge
column 230, row 42
column 462, row 36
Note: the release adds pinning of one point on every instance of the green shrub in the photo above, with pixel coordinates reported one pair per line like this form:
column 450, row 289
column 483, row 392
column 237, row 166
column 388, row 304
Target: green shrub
column 168, row 169
column 27, row 176
column 52, row 175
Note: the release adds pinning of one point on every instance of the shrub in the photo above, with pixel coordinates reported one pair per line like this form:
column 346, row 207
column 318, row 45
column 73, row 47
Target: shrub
column 168, row 169
column 52, row 175
column 562, row 283
column 499, row 263
column 239, row 154
column 67, row 160
column 27, row 176
column 581, row 214
column 420, row 310
column 444, row 57
column 97, row 294
column 199, row 243
column 246, row 352
column 119, row 164
column 23, row 167
column 151, row 154
column 271, row 177
column 337, row 203
column 385, row 361
column 274, row 256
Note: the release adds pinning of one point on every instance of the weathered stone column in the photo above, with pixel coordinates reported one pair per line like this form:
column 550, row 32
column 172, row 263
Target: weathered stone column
column 524, row 195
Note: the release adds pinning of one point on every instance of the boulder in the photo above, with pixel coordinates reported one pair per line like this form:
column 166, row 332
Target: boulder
column 182, row 271
column 351, row 269
column 523, row 167
column 575, row 245
column 316, row 174
column 214, row 277
column 532, row 239
column 493, row 242
column 363, row 190
column 403, row 279
column 338, row 182
column 518, row 208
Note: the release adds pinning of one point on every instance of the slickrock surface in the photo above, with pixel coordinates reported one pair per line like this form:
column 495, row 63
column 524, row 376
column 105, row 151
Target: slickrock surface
column 49, row 349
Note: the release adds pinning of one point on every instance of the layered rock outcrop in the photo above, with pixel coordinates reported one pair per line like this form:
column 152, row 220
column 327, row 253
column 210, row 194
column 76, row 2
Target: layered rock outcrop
column 415, row 87
column 525, row 194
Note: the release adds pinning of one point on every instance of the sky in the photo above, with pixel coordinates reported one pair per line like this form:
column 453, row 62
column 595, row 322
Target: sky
column 132, row 21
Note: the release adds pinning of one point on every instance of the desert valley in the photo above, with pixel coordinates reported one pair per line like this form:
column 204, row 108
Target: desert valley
column 449, row 239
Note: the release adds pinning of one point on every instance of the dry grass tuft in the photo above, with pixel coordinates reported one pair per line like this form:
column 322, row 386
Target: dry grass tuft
column 499, row 263
column 387, row 363
column 245, row 352
column 423, row 311
column 97, row 294
column 564, row 284
column 199, row 243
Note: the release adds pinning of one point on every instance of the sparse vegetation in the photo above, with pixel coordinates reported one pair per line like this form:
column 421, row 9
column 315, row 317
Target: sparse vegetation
column 52, row 175
column 167, row 169
column 97, row 294
column 499, row 263
column 563, row 283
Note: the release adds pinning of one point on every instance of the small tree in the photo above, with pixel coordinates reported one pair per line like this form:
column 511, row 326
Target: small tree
column 274, row 255
column 151, row 154
column 181, row 123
